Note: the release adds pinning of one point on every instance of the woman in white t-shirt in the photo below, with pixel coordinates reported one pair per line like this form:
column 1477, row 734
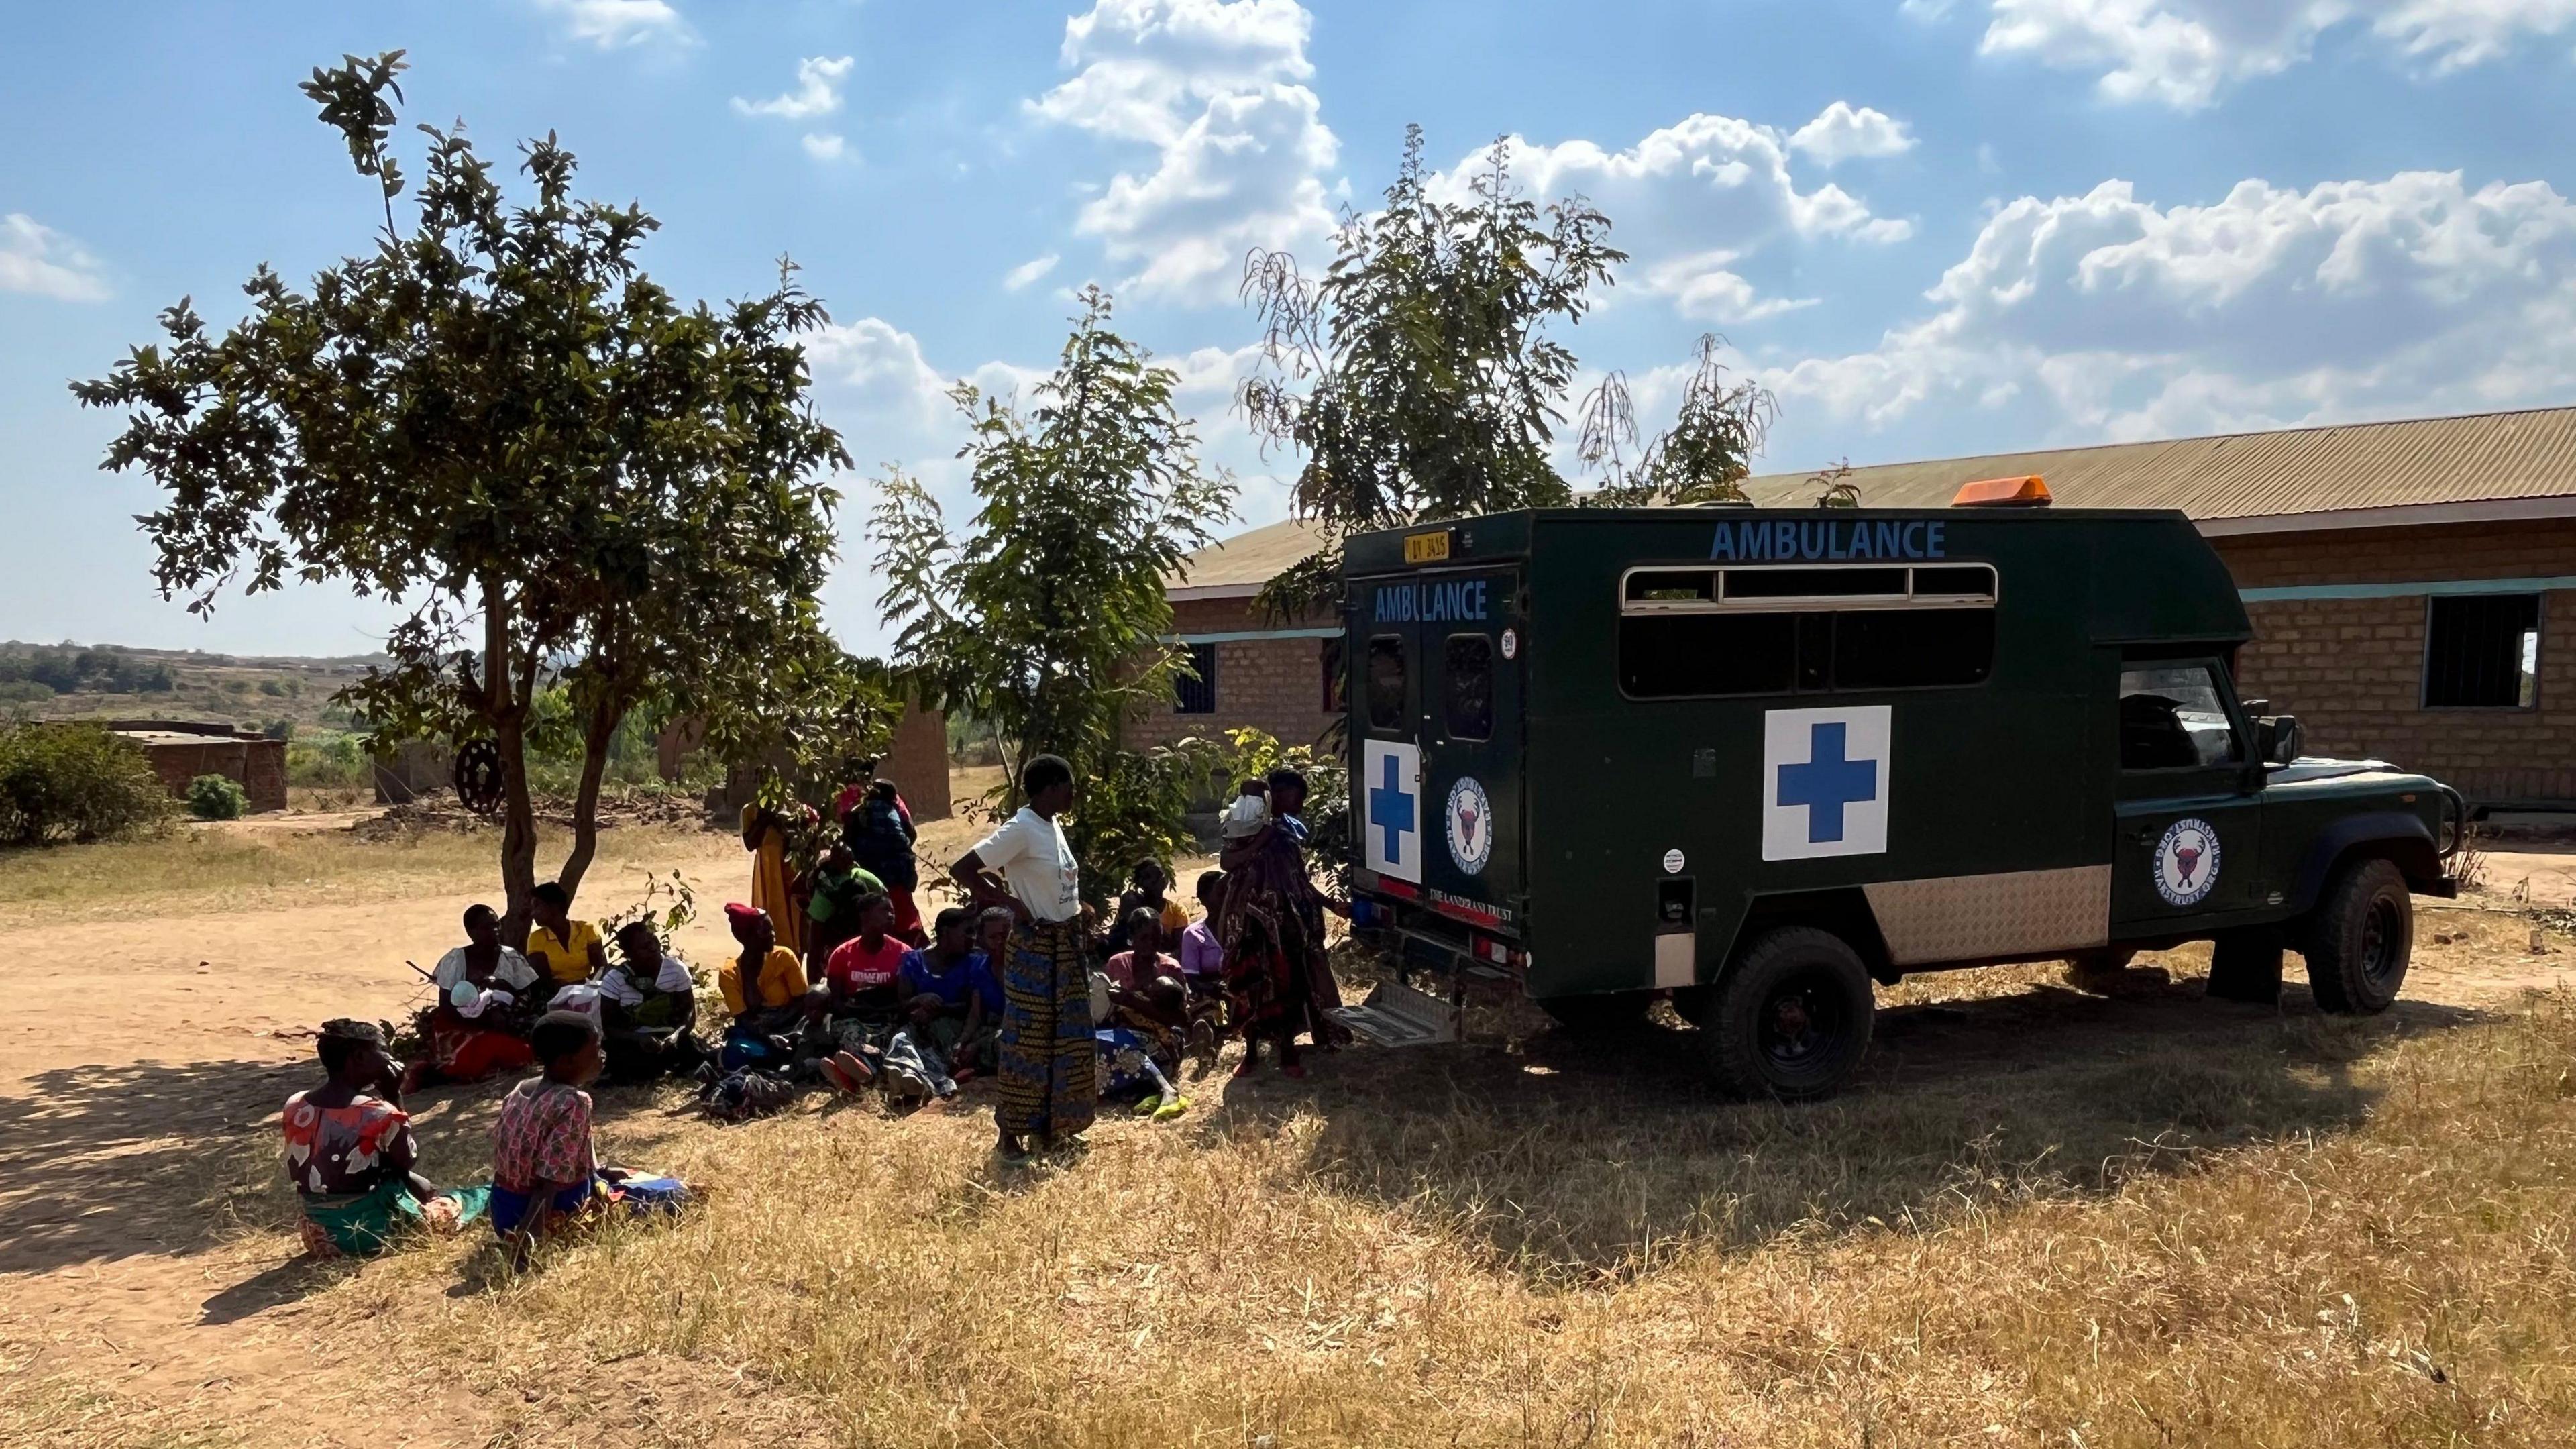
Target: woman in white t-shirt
column 1049, row 1089
column 487, row 995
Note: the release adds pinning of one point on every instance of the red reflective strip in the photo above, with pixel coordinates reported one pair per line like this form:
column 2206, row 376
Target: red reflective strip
column 1398, row 889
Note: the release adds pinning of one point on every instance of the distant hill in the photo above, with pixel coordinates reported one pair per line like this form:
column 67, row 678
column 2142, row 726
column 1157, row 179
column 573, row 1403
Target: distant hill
column 113, row 681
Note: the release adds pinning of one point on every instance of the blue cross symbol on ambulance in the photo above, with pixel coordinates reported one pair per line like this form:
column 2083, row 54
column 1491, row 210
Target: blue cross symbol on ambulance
column 1828, row 781
column 1390, row 808
column 1825, row 785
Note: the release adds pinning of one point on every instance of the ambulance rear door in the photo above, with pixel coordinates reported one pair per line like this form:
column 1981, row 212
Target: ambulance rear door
column 1439, row 801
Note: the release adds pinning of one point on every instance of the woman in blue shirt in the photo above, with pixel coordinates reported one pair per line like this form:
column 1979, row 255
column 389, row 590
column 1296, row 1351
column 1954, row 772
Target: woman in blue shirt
column 955, row 998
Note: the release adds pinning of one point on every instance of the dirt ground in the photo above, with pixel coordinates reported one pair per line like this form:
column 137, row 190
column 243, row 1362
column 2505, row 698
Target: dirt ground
column 143, row 1058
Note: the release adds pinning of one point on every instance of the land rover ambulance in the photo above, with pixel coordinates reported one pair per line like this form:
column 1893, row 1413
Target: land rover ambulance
column 1754, row 760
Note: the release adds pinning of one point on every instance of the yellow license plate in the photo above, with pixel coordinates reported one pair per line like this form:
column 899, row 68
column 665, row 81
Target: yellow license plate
column 1426, row 547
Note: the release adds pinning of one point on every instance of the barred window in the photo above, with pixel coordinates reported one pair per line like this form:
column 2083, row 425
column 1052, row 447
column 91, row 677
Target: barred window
column 1196, row 695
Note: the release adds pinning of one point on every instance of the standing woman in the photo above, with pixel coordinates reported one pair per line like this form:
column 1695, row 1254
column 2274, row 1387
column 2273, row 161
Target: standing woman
column 764, row 834
column 1047, row 1069
column 1271, row 921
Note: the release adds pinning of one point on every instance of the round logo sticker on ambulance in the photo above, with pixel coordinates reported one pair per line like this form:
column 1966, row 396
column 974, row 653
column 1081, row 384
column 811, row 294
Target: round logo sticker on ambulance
column 1511, row 643
column 1471, row 825
column 2187, row 862
column 1674, row 860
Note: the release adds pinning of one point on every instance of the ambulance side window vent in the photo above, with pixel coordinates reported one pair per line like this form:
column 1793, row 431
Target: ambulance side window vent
column 1386, row 682
column 1834, row 587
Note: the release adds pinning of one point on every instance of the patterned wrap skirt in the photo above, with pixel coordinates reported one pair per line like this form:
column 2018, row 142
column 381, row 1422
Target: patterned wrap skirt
column 1048, row 1072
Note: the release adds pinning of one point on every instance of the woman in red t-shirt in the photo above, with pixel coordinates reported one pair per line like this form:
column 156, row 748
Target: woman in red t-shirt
column 865, row 976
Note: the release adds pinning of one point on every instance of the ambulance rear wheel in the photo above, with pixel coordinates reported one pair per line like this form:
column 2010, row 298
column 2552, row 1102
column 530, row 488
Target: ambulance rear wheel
column 1792, row 1018
column 2360, row 940
column 1601, row 1014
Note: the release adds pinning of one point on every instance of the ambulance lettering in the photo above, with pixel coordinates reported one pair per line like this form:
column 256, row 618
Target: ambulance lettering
column 1452, row 600
column 1825, row 781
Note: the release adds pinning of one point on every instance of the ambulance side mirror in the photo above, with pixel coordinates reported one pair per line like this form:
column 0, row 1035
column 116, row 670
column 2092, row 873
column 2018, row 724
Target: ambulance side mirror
column 2278, row 738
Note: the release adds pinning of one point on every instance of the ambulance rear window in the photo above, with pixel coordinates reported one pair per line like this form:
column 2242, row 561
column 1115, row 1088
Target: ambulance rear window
column 1386, row 683
column 1467, row 686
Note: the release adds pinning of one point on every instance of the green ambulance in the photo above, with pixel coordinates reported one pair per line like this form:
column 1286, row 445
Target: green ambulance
column 1754, row 760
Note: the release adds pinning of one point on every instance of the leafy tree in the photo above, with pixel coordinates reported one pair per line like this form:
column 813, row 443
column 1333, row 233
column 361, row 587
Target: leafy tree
column 75, row 782
column 1419, row 376
column 500, row 421
column 1703, row 458
column 1047, row 621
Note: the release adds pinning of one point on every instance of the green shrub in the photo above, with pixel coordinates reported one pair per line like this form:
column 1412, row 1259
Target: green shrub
column 25, row 691
column 329, row 759
column 74, row 783
column 217, row 797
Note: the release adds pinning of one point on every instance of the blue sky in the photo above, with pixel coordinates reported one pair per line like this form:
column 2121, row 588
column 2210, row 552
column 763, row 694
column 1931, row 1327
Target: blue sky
column 1931, row 226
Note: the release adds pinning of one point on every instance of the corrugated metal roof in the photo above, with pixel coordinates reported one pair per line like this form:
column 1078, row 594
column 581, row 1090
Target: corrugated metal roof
column 2483, row 457
column 2480, row 458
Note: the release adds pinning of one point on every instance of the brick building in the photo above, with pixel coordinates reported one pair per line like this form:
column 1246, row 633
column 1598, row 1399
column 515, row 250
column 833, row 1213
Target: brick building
column 180, row 751
column 1280, row 677
column 2412, row 586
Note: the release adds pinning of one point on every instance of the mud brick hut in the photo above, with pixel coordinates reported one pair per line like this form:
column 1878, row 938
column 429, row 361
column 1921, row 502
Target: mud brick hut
column 181, row 750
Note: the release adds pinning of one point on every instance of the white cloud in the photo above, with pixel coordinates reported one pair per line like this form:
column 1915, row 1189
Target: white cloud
column 826, row 145
column 1029, row 272
column 1842, row 133
column 1688, row 203
column 1702, row 288
column 880, row 369
column 1216, row 87
column 2184, row 52
column 817, row 93
column 41, row 261
column 609, row 24
column 2266, row 308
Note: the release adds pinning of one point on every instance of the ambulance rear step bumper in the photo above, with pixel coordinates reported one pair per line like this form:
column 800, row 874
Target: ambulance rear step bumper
column 1397, row 1015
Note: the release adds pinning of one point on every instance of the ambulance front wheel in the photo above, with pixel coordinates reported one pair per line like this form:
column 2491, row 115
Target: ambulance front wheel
column 2360, row 939
column 1598, row 1014
column 1791, row 1019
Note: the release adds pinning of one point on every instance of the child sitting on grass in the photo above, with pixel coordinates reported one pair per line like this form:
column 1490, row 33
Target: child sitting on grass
column 544, row 1172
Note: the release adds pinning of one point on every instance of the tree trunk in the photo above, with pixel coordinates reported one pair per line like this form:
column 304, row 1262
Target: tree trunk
column 518, row 830
column 505, row 704
column 595, row 745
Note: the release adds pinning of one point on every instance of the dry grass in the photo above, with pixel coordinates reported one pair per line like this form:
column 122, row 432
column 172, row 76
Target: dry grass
column 2111, row 1216
column 235, row 868
column 2180, row 1223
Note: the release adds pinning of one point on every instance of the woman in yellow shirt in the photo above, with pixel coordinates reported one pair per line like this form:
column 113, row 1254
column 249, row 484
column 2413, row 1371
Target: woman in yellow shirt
column 568, row 951
column 764, row 988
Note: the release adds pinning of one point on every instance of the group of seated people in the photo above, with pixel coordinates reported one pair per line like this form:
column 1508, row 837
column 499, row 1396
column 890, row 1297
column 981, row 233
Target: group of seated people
column 490, row 997
column 918, row 1019
column 913, row 1013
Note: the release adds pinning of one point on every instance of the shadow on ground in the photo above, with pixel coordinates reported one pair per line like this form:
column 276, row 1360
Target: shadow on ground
column 101, row 1163
column 1573, row 1159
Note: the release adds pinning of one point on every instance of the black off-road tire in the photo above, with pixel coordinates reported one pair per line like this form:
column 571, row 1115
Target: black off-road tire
column 1746, row 1041
column 1606, row 1013
column 2360, row 940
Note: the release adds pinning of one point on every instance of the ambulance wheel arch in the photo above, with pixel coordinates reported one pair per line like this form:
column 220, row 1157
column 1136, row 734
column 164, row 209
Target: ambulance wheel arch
column 1843, row 911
